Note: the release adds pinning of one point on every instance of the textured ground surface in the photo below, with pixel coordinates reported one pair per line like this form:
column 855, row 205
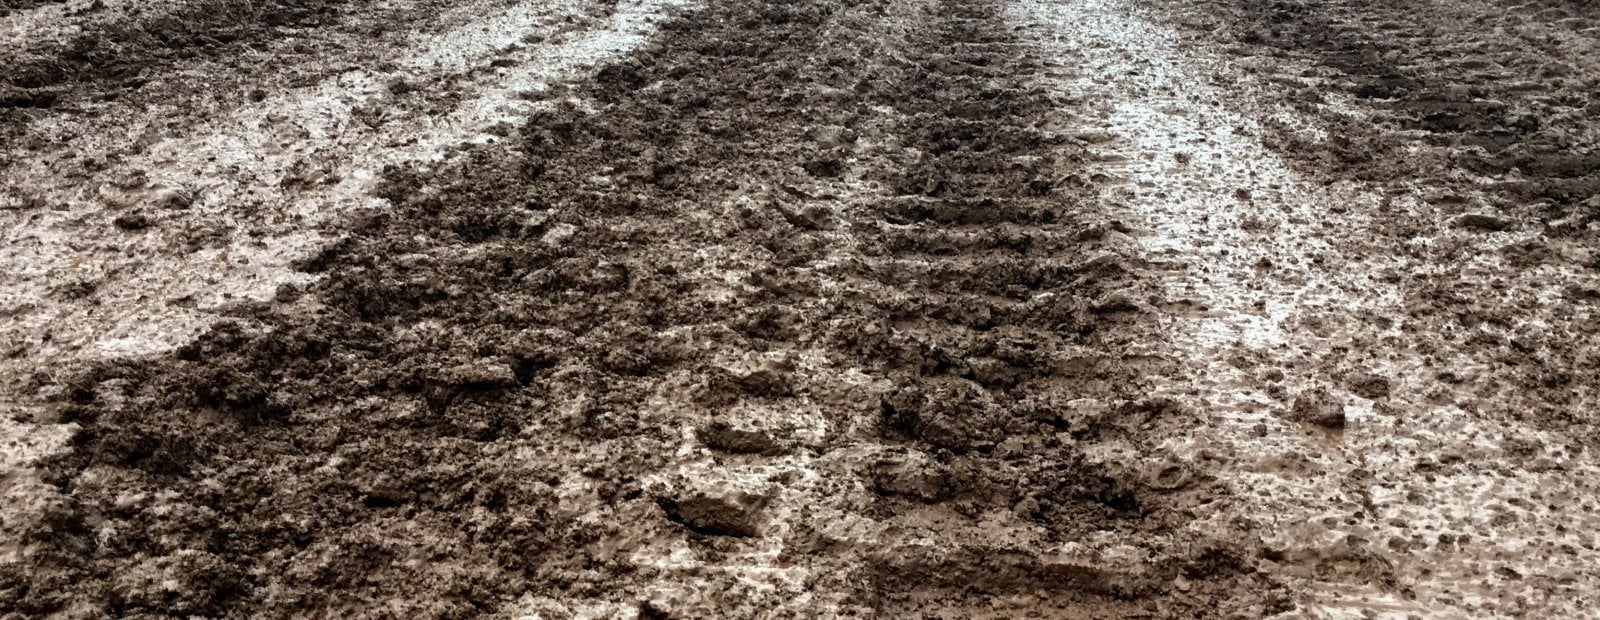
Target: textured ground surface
column 796, row 308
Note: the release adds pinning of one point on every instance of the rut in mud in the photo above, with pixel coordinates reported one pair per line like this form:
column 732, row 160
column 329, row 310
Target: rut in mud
column 798, row 304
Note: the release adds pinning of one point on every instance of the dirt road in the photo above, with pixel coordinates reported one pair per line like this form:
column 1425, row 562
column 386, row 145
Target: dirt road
column 799, row 308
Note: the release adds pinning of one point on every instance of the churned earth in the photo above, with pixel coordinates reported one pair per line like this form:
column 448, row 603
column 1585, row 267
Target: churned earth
column 798, row 308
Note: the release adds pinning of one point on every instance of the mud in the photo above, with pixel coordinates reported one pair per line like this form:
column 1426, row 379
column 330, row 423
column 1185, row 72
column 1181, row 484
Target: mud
column 799, row 308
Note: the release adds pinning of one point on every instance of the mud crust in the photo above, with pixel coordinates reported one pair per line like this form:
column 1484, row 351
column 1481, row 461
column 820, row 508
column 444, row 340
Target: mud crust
column 497, row 395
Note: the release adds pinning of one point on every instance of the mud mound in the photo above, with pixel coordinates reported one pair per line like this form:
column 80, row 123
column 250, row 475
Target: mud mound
column 777, row 245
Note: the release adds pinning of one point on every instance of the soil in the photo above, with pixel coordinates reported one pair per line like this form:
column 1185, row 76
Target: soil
column 837, row 308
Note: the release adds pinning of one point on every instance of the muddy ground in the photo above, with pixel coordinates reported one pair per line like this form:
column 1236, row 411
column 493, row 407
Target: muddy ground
column 799, row 308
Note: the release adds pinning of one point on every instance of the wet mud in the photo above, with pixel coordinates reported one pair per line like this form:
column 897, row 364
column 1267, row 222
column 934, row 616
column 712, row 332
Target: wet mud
column 800, row 308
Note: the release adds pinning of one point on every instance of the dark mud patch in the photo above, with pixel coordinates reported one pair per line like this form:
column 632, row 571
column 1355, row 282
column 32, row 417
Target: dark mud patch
column 122, row 57
column 125, row 49
column 472, row 404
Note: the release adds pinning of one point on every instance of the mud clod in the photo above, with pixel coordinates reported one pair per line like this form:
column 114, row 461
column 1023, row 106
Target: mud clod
column 1370, row 386
column 132, row 221
column 1318, row 407
column 1483, row 221
column 726, row 437
column 729, row 513
column 915, row 478
column 1119, row 301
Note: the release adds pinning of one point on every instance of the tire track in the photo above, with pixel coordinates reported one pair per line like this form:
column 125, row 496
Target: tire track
column 794, row 310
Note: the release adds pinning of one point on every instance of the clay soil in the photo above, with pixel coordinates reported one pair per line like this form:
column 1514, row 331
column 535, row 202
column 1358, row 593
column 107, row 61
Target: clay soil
column 799, row 308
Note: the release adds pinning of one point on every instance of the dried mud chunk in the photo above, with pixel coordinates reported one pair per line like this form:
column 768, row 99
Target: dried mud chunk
column 1115, row 302
column 1482, row 221
column 1103, row 265
column 620, row 77
column 943, row 414
column 1580, row 293
column 716, row 513
column 1168, row 475
column 832, row 136
column 137, row 448
column 1318, row 407
column 825, row 167
column 810, row 217
column 770, row 380
column 12, row 97
column 990, row 568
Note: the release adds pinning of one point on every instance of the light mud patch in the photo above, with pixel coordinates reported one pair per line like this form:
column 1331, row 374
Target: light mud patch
column 1370, row 483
